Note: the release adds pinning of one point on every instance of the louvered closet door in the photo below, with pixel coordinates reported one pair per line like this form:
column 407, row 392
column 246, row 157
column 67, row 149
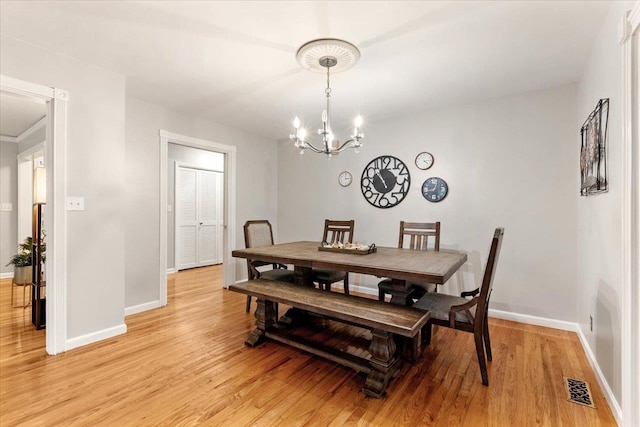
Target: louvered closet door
column 210, row 232
column 187, row 218
column 199, row 217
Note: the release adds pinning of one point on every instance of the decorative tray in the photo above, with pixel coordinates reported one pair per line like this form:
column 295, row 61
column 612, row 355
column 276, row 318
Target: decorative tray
column 372, row 249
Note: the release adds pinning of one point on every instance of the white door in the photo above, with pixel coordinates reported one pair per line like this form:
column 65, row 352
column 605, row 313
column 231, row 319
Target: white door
column 199, row 217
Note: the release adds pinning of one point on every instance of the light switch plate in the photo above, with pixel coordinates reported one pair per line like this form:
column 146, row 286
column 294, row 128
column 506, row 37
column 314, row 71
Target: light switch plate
column 75, row 203
column 7, row 207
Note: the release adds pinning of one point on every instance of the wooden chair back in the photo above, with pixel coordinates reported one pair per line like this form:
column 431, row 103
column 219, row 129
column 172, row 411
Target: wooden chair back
column 419, row 234
column 257, row 233
column 338, row 231
column 489, row 273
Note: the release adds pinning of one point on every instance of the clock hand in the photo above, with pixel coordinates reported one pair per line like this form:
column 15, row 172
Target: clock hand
column 381, row 178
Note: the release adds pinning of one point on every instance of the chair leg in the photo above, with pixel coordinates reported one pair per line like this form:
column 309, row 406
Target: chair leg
column 380, row 295
column 481, row 361
column 346, row 284
column 248, row 308
column 487, row 341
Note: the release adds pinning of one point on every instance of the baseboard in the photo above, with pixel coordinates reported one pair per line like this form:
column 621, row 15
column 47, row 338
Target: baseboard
column 8, row 275
column 142, row 307
column 95, row 337
column 534, row 320
column 608, row 393
column 366, row 290
column 171, row 270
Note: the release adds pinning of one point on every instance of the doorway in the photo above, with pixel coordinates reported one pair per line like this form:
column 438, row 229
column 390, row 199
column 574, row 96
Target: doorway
column 228, row 230
column 55, row 214
column 199, row 219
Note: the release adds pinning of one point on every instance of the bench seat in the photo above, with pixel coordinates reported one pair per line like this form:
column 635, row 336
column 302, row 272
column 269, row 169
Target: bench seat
column 383, row 319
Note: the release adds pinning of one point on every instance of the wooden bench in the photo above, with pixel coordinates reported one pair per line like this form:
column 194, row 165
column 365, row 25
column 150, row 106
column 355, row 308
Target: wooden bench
column 383, row 319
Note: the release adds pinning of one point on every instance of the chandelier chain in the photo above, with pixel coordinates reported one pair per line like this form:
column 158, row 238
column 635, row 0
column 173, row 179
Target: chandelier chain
column 328, row 89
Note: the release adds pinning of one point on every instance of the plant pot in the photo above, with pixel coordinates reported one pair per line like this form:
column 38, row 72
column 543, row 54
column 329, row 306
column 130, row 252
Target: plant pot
column 22, row 275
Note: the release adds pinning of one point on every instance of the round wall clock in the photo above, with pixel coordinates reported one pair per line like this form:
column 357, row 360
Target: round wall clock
column 424, row 160
column 345, row 178
column 385, row 181
column 435, row 189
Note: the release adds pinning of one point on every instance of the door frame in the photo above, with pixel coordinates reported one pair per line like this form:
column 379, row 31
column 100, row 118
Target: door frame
column 176, row 166
column 55, row 214
column 629, row 40
column 229, row 239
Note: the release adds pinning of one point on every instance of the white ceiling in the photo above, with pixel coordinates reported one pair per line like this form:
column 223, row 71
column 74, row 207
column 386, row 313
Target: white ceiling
column 234, row 62
column 18, row 113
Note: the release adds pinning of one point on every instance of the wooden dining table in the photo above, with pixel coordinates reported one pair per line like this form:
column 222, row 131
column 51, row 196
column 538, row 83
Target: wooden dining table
column 402, row 266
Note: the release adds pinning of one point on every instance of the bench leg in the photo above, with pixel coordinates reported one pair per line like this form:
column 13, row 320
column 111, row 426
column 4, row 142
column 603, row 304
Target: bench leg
column 416, row 347
column 383, row 363
column 265, row 319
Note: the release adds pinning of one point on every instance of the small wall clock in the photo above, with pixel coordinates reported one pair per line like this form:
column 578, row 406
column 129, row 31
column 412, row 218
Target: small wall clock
column 435, row 189
column 385, row 181
column 345, row 178
column 424, row 160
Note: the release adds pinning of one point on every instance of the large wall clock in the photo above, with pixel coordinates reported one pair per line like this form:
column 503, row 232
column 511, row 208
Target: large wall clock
column 435, row 189
column 385, row 181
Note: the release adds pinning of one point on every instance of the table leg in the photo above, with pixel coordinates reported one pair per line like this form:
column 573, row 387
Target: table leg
column 400, row 292
column 265, row 319
column 302, row 276
column 383, row 363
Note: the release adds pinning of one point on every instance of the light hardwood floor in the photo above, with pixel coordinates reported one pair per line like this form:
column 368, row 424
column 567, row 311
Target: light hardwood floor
column 186, row 364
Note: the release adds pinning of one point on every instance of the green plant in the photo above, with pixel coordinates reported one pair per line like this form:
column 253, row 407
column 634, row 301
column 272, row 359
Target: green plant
column 25, row 249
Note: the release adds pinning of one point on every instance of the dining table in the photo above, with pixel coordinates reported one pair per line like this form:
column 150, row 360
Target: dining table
column 402, row 266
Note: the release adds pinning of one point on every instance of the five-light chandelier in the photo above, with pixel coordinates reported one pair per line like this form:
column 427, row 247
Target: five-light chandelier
column 320, row 55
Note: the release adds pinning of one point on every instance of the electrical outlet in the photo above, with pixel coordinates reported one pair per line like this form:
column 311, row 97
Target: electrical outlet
column 75, row 203
column 591, row 323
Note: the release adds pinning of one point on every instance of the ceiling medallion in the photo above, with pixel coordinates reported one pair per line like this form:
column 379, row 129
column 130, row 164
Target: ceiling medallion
column 323, row 55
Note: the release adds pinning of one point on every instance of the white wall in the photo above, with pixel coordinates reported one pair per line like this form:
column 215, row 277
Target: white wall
column 509, row 162
column 95, row 171
column 600, row 216
column 185, row 156
column 8, row 194
column 256, row 188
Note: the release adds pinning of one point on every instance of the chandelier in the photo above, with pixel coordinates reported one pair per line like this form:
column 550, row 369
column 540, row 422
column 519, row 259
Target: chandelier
column 319, row 56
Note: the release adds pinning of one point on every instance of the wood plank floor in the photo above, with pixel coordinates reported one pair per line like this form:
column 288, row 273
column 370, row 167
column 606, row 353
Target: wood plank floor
column 186, row 364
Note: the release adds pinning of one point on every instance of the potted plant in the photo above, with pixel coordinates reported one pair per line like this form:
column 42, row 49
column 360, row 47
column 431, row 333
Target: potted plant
column 22, row 261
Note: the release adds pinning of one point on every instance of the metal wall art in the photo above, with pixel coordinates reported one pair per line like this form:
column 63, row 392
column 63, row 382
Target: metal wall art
column 593, row 154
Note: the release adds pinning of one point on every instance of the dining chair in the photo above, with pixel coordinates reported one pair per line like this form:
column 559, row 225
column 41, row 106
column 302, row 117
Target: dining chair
column 258, row 233
column 334, row 232
column 418, row 235
column 467, row 315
